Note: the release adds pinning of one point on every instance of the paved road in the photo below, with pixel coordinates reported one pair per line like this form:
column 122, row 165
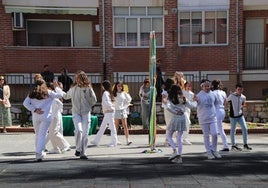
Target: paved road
column 126, row 166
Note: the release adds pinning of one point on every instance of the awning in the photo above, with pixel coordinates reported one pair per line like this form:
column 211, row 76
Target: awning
column 52, row 6
column 191, row 5
column 50, row 10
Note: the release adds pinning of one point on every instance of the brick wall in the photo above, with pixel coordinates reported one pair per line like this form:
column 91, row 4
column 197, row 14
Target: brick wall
column 120, row 60
column 31, row 60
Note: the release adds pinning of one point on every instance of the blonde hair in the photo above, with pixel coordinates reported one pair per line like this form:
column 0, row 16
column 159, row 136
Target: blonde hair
column 81, row 79
column 37, row 77
column 179, row 82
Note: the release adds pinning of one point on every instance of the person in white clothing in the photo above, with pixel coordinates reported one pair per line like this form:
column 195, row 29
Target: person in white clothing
column 144, row 94
column 220, row 110
column 122, row 102
column 83, row 98
column 176, row 104
column 187, row 92
column 39, row 103
column 167, row 114
column 108, row 108
column 59, row 143
column 206, row 113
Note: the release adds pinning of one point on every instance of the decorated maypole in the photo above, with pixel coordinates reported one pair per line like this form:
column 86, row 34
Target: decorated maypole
column 152, row 75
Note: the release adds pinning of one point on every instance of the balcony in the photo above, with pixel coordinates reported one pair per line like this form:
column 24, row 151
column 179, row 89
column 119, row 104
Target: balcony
column 256, row 56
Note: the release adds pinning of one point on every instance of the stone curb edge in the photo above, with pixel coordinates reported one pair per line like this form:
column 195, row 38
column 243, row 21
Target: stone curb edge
column 141, row 131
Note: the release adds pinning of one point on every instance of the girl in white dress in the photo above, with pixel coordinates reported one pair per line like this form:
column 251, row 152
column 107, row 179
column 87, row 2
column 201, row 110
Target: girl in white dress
column 176, row 104
column 122, row 101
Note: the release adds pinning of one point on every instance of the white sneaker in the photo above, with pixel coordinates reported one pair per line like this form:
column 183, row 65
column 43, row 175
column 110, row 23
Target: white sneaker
column 187, row 142
column 39, row 158
column 66, row 148
column 210, row 156
column 94, row 143
column 54, row 151
column 111, row 145
column 173, row 156
column 216, row 154
column 177, row 160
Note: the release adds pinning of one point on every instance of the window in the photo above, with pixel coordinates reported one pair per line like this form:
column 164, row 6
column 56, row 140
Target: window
column 59, row 33
column 203, row 27
column 132, row 26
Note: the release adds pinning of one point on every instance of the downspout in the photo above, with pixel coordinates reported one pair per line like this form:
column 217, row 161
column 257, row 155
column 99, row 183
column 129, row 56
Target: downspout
column 104, row 42
column 237, row 42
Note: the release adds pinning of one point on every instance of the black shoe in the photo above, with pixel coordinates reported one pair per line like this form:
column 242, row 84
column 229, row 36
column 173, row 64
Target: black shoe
column 225, row 149
column 246, row 147
column 83, row 157
column 236, row 148
column 77, row 153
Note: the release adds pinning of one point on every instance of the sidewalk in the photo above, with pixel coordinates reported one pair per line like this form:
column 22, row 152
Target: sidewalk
column 137, row 129
column 126, row 166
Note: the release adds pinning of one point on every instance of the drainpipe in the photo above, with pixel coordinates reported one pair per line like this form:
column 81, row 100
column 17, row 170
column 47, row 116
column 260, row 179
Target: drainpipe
column 104, row 42
column 237, row 42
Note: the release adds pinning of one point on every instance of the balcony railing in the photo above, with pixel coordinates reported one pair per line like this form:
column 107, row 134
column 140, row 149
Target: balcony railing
column 256, row 56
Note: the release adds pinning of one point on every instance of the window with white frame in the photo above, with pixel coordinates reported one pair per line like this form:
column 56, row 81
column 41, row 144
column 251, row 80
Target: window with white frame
column 132, row 26
column 203, row 27
column 59, row 33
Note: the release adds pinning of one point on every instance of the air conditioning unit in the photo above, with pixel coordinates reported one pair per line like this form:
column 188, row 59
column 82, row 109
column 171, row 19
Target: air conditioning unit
column 18, row 21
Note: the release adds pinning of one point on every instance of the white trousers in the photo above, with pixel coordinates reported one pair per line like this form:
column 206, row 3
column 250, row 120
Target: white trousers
column 40, row 125
column 167, row 115
column 187, row 122
column 220, row 113
column 108, row 119
column 81, row 125
column 179, row 140
column 210, row 129
column 54, row 134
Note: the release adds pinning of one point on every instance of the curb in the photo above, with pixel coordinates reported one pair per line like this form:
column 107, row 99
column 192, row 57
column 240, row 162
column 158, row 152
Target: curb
column 142, row 131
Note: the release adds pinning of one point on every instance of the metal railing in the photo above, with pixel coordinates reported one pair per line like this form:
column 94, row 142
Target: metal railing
column 21, row 84
column 256, row 56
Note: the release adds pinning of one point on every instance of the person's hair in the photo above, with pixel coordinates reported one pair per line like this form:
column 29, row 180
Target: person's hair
column 50, row 86
column 168, row 83
column 175, row 78
column 81, row 79
column 46, row 65
column 146, row 80
column 108, row 87
column 216, row 84
column 40, row 90
column 5, row 81
column 65, row 71
column 37, row 76
column 239, row 85
column 115, row 87
column 174, row 93
column 204, row 81
column 187, row 83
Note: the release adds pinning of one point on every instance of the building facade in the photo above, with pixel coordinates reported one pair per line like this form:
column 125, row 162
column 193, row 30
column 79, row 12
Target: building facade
column 224, row 39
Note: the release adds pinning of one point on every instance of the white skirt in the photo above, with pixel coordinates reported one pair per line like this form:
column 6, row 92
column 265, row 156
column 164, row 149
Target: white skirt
column 177, row 123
